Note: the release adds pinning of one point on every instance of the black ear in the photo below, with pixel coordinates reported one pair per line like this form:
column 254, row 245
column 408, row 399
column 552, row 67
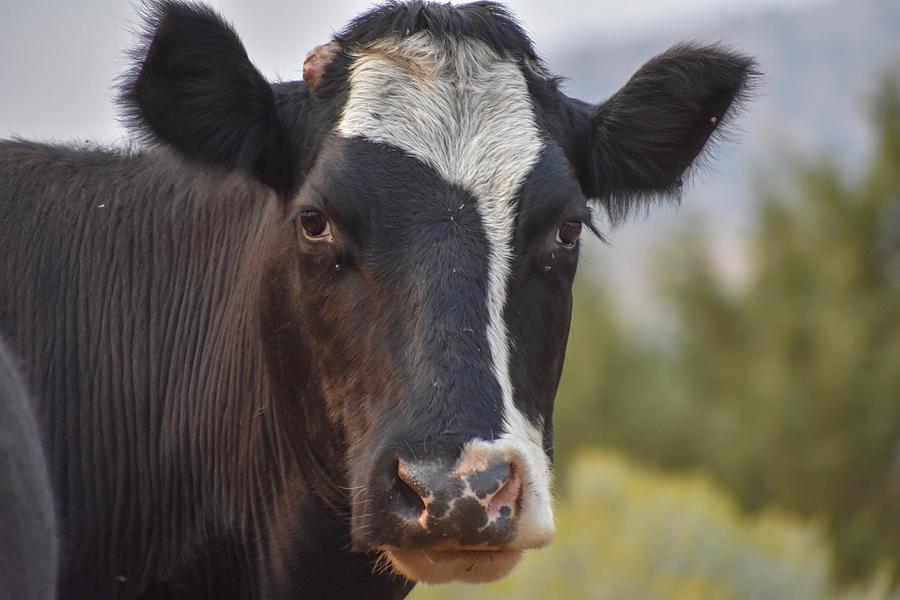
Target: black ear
column 193, row 87
column 644, row 140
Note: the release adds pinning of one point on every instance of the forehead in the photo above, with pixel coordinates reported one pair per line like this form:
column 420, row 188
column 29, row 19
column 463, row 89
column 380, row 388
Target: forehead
column 454, row 104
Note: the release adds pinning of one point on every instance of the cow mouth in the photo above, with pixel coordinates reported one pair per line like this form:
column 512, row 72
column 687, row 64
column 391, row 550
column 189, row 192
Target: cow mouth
column 443, row 566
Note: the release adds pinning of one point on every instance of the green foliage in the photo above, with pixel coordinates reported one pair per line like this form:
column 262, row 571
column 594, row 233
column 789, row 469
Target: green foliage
column 788, row 389
column 630, row 532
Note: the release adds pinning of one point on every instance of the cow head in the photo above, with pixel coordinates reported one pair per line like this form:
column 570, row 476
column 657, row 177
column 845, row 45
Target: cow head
column 434, row 181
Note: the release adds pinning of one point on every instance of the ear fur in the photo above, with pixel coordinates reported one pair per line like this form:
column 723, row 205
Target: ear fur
column 646, row 138
column 194, row 88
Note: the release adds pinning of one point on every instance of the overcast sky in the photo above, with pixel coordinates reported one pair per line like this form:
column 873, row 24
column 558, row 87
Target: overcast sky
column 59, row 58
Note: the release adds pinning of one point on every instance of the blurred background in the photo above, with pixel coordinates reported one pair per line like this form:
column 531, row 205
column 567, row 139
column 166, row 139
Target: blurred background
column 728, row 424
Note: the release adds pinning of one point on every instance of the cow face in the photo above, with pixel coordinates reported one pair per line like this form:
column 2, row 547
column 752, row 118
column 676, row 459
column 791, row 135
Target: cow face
column 435, row 182
column 439, row 237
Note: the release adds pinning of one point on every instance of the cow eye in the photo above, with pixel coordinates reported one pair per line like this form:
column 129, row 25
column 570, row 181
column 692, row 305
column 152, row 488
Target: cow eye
column 315, row 225
column 567, row 233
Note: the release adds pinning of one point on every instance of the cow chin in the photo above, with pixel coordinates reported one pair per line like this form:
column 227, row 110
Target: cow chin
column 444, row 566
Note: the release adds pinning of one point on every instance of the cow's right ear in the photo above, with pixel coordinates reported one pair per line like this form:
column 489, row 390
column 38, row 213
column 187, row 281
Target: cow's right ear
column 194, row 88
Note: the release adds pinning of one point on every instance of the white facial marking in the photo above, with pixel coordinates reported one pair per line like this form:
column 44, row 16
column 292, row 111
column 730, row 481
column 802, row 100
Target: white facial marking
column 466, row 112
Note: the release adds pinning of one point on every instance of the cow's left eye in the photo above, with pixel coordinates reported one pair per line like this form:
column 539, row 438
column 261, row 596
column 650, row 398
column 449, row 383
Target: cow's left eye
column 568, row 233
column 315, row 225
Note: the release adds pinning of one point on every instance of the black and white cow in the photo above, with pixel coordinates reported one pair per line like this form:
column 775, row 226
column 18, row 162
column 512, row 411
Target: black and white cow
column 306, row 343
column 27, row 521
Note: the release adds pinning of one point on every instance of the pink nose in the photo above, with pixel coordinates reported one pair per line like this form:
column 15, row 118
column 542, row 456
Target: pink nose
column 487, row 495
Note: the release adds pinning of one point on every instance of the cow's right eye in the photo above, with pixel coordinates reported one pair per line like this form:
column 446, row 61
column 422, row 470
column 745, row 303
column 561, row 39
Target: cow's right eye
column 315, row 225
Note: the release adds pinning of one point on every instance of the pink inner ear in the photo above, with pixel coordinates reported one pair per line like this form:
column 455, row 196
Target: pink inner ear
column 317, row 61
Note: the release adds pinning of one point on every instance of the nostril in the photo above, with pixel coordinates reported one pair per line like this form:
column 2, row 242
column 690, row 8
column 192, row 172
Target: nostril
column 408, row 476
column 504, row 502
column 411, row 490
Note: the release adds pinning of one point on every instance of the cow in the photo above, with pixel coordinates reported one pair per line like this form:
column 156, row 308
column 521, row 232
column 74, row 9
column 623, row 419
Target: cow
column 304, row 339
column 27, row 519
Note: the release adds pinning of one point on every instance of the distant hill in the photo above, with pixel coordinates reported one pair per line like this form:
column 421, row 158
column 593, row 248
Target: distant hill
column 822, row 63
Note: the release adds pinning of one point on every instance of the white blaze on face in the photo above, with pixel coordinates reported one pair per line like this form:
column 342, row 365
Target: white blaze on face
column 465, row 111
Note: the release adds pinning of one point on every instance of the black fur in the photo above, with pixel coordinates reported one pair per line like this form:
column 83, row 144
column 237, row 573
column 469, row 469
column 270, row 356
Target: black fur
column 487, row 22
column 27, row 521
column 191, row 452
column 644, row 141
column 194, row 88
column 648, row 135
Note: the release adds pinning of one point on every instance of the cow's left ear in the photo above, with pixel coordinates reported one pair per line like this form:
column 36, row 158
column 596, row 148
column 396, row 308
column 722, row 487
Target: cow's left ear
column 644, row 139
column 194, row 88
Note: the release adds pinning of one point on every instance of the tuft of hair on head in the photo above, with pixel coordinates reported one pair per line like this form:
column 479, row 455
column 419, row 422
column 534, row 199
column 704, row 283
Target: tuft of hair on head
column 488, row 22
